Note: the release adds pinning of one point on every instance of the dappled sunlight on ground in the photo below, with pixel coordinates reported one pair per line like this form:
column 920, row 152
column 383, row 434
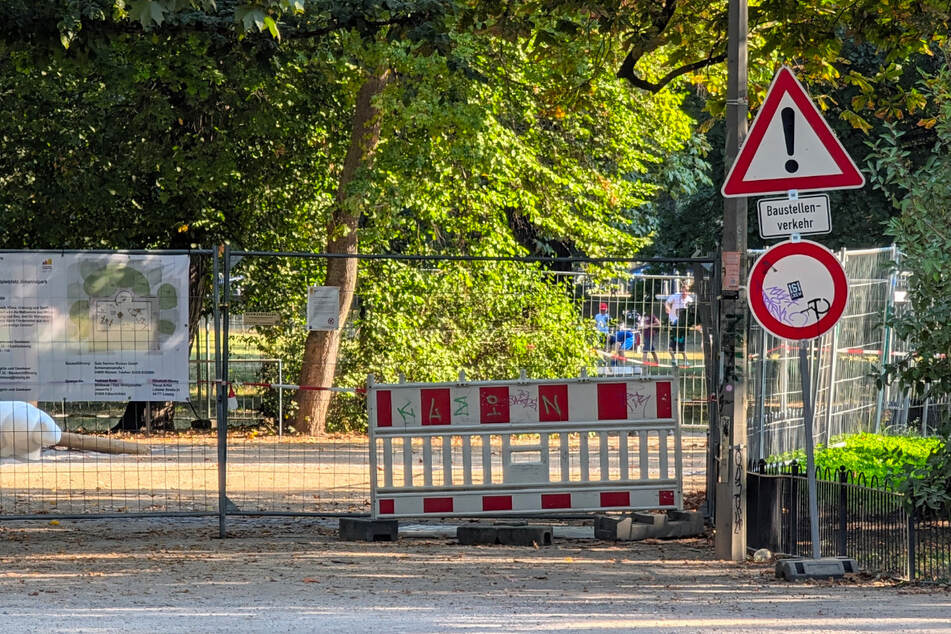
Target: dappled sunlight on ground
column 165, row 575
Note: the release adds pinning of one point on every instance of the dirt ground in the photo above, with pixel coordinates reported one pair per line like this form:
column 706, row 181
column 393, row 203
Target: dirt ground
column 283, row 575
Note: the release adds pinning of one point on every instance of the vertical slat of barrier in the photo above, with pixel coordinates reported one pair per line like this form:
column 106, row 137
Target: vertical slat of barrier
column 506, row 452
column 565, row 457
column 427, row 461
column 467, row 460
column 387, row 462
column 603, row 455
column 662, row 450
column 643, row 455
column 583, row 451
column 486, row 459
column 546, row 452
column 407, row 461
column 447, row 460
column 623, row 456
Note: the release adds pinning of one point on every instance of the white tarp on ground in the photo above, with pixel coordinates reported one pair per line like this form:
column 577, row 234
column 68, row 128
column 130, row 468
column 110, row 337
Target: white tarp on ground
column 93, row 327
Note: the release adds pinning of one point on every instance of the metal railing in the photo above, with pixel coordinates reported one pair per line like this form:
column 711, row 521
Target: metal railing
column 859, row 518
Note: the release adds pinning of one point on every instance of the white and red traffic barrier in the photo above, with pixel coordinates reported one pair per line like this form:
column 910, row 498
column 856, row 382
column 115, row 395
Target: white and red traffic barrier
column 524, row 447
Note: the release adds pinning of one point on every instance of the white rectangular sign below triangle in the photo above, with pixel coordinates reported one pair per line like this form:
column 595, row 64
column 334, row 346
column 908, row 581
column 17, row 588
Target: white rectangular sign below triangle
column 790, row 146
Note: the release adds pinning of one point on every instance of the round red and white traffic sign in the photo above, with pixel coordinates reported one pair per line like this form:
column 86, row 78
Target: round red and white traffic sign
column 797, row 290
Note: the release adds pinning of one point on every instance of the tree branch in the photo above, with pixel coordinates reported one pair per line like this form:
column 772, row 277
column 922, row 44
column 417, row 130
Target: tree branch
column 627, row 72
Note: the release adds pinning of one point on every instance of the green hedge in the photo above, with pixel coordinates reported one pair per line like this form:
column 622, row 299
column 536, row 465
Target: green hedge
column 872, row 455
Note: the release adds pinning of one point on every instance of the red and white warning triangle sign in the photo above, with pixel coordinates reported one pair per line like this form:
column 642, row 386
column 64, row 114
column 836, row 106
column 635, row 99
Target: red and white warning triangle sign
column 790, row 147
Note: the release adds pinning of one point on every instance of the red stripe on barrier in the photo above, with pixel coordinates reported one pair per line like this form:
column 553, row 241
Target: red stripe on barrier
column 435, row 404
column 494, row 404
column 556, row 500
column 387, row 507
column 552, row 403
column 664, row 409
column 437, row 505
column 616, row 498
column 384, row 409
column 665, row 498
column 496, row 502
column 612, row 401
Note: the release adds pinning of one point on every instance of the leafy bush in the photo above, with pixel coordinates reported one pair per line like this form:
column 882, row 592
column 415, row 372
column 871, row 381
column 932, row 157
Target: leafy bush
column 889, row 458
column 490, row 321
column 922, row 193
column 928, row 487
column 428, row 322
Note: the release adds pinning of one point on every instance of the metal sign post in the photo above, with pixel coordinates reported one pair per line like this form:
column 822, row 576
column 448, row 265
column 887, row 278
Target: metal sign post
column 798, row 291
column 807, row 414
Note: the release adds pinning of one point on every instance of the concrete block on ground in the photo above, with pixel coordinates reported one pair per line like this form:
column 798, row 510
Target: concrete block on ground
column 825, row 568
column 613, row 528
column 358, row 529
column 651, row 519
column 681, row 524
column 637, row 526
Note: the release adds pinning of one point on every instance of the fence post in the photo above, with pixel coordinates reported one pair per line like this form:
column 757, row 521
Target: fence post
column 221, row 367
column 843, row 512
column 794, row 510
column 886, row 336
column 833, row 364
column 762, row 394
column 911, row 545
column 712, row 371
column 280, row 397
column 207, row 361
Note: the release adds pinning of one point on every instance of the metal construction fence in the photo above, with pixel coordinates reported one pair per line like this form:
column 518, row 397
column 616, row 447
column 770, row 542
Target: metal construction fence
column 858, row 518
column 844, row 364
column 426, row 318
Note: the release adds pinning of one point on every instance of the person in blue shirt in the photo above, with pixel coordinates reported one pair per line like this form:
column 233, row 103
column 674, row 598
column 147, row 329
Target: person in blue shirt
column 624, row 339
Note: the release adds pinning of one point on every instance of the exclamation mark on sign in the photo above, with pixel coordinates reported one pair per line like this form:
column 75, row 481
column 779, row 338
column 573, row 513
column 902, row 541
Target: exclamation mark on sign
column 789, row 131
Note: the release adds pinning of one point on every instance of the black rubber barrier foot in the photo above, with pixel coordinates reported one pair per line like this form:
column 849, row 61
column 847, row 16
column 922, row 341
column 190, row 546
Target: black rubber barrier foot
column 825, row 568
column 505, row 535
column 357, row 529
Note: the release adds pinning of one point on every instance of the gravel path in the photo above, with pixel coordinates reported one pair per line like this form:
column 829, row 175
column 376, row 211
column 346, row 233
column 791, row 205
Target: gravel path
column 284, row 575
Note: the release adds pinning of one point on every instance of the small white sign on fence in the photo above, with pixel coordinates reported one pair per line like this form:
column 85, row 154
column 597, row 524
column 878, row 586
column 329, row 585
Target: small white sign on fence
column 323, row 308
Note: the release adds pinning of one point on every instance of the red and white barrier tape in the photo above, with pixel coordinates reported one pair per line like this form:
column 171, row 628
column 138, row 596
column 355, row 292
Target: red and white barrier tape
column 292, row 386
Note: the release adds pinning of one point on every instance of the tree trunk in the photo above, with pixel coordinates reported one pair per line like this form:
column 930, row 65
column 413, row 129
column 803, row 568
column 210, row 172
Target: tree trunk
column 321, row 348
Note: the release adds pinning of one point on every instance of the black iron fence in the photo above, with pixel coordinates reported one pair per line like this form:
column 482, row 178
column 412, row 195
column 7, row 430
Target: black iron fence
column 858, row 517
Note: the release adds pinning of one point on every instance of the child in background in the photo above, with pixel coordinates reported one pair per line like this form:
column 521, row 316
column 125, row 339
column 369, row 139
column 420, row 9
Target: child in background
column 650, row 331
